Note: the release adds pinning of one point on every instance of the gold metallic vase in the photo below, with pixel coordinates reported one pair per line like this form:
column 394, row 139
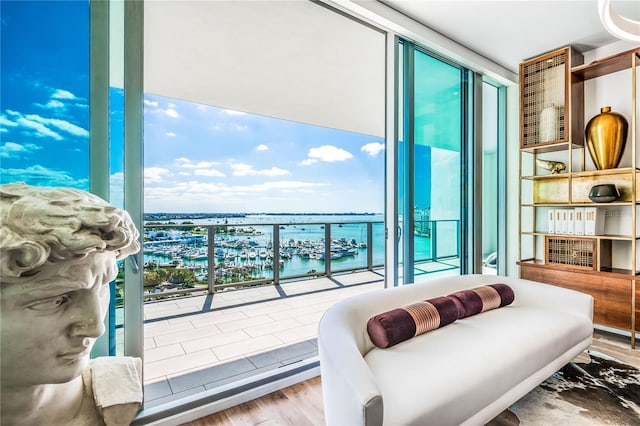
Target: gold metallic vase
column 606, row 135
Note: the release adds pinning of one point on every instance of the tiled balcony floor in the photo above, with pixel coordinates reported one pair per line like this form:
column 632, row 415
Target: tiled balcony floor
column 197, row 343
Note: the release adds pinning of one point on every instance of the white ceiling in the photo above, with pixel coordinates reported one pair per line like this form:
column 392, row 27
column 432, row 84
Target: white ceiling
column 508, row 32
column 288, row 59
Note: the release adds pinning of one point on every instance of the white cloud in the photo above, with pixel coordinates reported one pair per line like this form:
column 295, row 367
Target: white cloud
column 232, row 112
column 43, row 127
column 39, row 175
column 62, row 94
column 52, row 104
column 239, row 127
column 209, row 173
column 373, row 148
column 155, row 174
column 153, row 104
column 171, row 113
column 60, row 124
column 240, row 169
column 218, row 196
column 308, row 162
column 170, row 134
column 5, row 122
column 15, row 150
column 328, row 154
column 186, row 163
column 40, row 129
column 262, row 147
column 285, row 185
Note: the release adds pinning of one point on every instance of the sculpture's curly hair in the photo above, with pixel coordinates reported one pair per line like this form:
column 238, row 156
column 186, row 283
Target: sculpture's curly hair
column 53, row 224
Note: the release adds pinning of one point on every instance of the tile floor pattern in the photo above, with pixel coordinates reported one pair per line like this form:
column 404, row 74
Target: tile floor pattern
column 197, row 343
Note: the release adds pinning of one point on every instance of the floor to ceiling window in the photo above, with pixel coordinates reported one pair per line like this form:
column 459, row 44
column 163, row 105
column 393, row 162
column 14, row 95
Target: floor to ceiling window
column 274, row 112
column 437, row 103
column 61, row 124
column 492, row 178
column 430, row 164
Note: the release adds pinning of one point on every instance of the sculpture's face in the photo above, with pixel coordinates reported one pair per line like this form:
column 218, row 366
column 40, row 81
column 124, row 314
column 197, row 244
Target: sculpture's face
column 49, row 322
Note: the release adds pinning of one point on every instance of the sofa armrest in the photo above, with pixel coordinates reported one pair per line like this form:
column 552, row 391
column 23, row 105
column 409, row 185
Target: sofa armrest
column 533, row 293
column 349, row 391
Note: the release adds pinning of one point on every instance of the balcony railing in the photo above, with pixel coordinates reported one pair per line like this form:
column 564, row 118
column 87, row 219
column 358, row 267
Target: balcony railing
column 185, row 258
column 241, row 255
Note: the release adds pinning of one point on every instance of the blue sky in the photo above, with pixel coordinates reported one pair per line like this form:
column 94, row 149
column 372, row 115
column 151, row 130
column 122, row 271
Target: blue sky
column 230, row 161
column 197, row 158
column 44, row 98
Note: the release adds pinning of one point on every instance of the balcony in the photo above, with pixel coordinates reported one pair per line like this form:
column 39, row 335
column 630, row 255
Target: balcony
column 224, row 330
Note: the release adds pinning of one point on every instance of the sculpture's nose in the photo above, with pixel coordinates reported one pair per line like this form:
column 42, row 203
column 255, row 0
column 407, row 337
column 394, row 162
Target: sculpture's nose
column 88, row 315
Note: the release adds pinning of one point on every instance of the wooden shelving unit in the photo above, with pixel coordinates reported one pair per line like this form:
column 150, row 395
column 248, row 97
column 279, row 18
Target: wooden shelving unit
column 599, row 271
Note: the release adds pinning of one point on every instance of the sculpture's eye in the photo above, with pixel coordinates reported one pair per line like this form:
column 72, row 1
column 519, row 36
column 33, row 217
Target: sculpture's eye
column 51, row 304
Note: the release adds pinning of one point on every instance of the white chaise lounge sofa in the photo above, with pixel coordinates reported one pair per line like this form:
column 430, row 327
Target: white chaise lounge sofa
column 466, row 372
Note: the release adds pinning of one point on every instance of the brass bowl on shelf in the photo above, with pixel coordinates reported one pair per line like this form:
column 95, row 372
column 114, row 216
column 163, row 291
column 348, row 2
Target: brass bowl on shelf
column 605, row 193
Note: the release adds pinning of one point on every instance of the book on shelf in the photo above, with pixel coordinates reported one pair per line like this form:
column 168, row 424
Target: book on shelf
column 564, row 221
column 570, row 221
column 578, row 223
column 552, row 221
column 593, row 221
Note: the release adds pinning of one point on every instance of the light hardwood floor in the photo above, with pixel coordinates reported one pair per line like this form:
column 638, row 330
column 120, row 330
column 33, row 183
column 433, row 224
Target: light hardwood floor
column 301, row 404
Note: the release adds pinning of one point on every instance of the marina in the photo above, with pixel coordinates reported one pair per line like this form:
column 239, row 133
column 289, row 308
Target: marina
column 225, row 253
column 248, row 252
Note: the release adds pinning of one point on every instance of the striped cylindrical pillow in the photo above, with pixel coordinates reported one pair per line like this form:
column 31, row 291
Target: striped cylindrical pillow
column 481, row 299
column 400, row 324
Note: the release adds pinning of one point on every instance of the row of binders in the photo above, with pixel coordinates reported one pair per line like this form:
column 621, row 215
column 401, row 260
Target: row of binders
column 576, row 221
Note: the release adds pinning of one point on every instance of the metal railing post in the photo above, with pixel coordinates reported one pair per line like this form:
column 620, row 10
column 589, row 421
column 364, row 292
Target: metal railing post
column 327, row 249
column 211, row 260
column 434, row 240
column 370, row 246
column 458, row 238
column 275, row 244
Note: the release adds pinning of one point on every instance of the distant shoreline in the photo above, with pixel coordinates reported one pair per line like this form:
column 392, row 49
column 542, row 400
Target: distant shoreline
column 179, row 216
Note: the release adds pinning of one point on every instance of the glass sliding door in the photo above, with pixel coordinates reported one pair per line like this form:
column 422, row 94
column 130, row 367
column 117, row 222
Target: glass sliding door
column 430, row 159
column 492, row 178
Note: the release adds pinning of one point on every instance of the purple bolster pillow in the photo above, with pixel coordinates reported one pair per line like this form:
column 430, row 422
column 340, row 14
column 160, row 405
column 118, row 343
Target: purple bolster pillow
column 400, row 324
column 481, row 299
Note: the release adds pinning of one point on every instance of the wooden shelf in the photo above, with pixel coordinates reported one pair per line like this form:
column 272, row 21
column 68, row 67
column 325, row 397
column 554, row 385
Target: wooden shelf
column 597, row 237
column 580, row 262
column 604, row 173
column 550, row 147
column 545, row 177
column 611, row 272
column 604, row 66
column 596, row 174
column 585, row 204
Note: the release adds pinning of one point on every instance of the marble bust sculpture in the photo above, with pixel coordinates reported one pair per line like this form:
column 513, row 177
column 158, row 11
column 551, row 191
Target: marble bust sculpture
column 58, row 252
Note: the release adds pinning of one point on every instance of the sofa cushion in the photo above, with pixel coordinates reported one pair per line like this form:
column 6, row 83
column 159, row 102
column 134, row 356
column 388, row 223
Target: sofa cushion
column 452, row 373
